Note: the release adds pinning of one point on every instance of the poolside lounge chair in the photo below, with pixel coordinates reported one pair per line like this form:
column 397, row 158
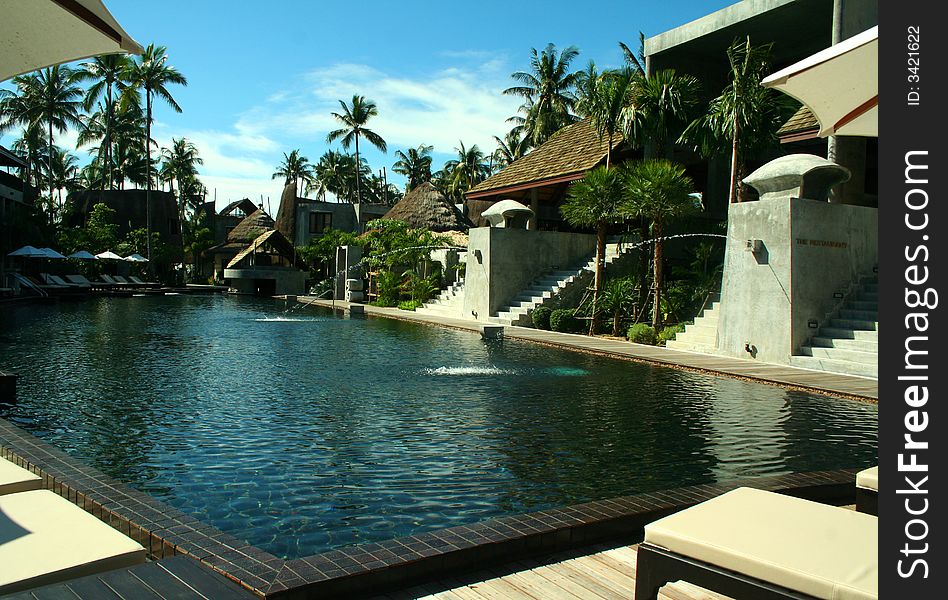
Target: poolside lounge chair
column 111, row 281
column 57, row 280
column 121, row 280
column 750, row 543
column 141, row 283
column 15, row 479
column 47, row 539
column 867, row 491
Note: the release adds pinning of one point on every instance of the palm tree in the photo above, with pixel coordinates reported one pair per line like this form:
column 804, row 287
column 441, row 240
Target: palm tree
column 107, row 71
column 635, row 60
column 548, row 92
column 180, row 164
column 63, row 173
column 467, row 170
column 603, row 99
column 658, row 190
column 659, row 106
column 353, row 117
column 151, row 74
column 745, row 117
column 596, row 201
column 514, row 146
column 295, row 167
column 415, row 165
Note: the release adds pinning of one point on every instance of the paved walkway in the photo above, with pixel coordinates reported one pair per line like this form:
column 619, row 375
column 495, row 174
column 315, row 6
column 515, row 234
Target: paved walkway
column 783, row 375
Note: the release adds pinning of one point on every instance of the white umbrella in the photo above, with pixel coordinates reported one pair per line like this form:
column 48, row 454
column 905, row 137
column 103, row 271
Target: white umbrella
column 40, row 33
column 83, row 255
column 108, row 255
column 135, row 258
column 840, row 85
column 28, row 252
column 50, row 253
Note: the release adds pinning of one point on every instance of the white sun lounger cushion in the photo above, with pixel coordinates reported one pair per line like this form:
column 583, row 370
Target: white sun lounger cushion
column 820, row 550
column 47, row 539
column 15, row 479
column 868, row 479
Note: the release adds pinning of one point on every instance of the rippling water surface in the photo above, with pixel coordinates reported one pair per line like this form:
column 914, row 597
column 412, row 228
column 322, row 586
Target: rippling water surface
column 304, row 431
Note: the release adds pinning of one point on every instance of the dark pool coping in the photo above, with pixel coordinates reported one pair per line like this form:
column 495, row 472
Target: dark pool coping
column 377, row 567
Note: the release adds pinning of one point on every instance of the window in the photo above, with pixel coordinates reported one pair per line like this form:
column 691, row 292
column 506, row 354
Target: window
column 319, row 222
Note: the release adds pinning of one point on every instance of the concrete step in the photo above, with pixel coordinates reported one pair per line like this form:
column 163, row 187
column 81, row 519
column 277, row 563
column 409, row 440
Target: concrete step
column 855, row 324
column 862, row 315
column 849, row 334
column 690, row 347
column 847, row 344
column 869, row 358
column 863, row 305
column 870, row 287
column 700, row 327
column 835, row 366
column 867, row 296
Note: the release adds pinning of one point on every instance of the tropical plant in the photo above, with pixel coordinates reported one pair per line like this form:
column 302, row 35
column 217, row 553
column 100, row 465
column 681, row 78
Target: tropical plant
column 354, row 117
column 659, row 107
column 745, row 118
column 388, row 288
column 465, row 171
column 618, row 298
column 596, row 201
column 100, row 232
column 635, row 60
column 293, row 168
column 106, row 72
column 669, row 333
column 603, row 98
column 641, row 333
column 564, row 320
column 415, row 164
column 63, row 173
column 657, row 190
column 179, row 165
column 514, row 146
column 420, row 289
column 547, row 89
column 153, row 75
column 541, row 317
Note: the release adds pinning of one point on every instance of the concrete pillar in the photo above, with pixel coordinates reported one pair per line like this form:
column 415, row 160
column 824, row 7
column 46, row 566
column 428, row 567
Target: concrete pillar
column 534, row 206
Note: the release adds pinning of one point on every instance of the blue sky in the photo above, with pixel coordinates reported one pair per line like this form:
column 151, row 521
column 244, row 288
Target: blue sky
column 264, row 76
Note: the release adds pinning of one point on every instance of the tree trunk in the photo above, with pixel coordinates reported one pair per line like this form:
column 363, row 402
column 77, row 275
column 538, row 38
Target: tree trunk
column 643, row 267
column 732, row 194
column 600, row 267
column 49, row 166
column 358, row 172
column 148, row 177
column 108, row 140
column 657, row 264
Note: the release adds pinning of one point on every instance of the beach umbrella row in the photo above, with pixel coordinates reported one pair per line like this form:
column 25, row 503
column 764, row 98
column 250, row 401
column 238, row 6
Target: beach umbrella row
column 31, row 252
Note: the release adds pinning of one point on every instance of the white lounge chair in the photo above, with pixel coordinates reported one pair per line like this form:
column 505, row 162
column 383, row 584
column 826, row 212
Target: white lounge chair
column 47, row 539
column 15, row 479
column 749, row 543
column 867, row 491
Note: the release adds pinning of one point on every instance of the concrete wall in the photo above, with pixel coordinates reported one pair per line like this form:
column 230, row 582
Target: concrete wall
column 247, row 281
column 502, row 262
column 809, row 251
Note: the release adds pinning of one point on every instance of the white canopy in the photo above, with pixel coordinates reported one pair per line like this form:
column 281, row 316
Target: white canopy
column 28, row 252
column 135, row 258
column 840, row 85
column 108, row 255
column 40, row 33
column 83, row 255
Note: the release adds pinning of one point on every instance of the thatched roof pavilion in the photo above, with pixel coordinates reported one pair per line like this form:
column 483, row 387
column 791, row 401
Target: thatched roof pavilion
column 250, row 228
column 426, row 208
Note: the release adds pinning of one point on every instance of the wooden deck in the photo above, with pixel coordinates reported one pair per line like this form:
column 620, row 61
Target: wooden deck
column 608, row 573
column 783, row 375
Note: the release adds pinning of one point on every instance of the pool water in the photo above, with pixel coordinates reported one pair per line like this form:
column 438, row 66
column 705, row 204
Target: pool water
column 304, row 431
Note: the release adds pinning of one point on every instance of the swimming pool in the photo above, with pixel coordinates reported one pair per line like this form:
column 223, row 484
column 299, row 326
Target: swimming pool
column 306, row 431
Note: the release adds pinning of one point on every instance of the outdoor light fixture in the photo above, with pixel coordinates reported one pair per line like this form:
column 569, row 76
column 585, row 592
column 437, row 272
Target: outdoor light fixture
column 838, row 295
column 754, row 246
column 812, row 324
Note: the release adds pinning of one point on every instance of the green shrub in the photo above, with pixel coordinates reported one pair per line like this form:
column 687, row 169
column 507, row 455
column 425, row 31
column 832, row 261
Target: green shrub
column 541, row 317
column 409, row 304
column 565, row 321
column 669, row 333
column 640, row 333
column 388, row 288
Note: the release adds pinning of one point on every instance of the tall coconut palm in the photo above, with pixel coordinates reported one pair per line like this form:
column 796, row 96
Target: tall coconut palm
column 415, row 164
column 603, row 98
column 30, row 146
column 659, row 107
column 596, row 201
column 467, row 170
column 635, row 60
column 658, row 190
column 106, row 72
column 179, row 165
column 514, row 146
column 64, row 171
column 293, row 168
column 353, row 117
column 548, row 92
column 745, row 118
column 151, row 74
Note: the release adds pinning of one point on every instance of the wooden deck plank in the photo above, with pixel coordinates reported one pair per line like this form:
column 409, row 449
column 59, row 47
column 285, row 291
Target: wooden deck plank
column 126, row 585
column 202, row 579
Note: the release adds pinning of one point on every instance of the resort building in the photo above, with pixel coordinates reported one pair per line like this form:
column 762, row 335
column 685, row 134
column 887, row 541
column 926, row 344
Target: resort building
column 16, row 198
column 130, row 211
column 302, row 219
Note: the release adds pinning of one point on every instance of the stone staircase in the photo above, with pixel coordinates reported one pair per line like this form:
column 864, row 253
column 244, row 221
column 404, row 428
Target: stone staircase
column 702, row 335
column 450, row 303
column 548, row 286
column 849, row 342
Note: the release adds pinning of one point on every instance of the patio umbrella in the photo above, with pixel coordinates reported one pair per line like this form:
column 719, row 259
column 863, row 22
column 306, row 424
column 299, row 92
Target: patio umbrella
column 136, row 258
column 108, row 255
column 50, row 253
column 28, row 252
column 840, row 85
column 83, row 255
column 40, row 33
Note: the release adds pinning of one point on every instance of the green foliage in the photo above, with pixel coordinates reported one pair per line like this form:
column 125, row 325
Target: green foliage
column 388, row 288
column 136, row 242
column 393, row 245
column 640, row 333
column 419, row 288
column 322, row 249
column 669, row 333
column 564, row 320
column 547, row 90
column 618, row 298
column 595, row 200
column 99, row 234
column 409, row 304
column 541, row 317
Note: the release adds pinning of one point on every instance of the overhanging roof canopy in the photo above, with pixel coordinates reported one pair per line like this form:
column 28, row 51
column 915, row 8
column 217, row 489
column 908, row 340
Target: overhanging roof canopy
column 39, row 33
column 840, row 85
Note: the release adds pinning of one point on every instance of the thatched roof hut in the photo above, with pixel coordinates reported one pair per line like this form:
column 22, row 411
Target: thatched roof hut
column 286, row 214
column 250, row 228
column 426, row 208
